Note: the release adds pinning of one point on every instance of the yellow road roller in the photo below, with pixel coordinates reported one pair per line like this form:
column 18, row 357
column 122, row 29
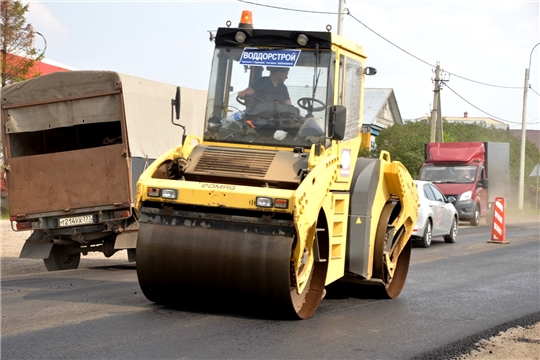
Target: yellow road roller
column 273, row 202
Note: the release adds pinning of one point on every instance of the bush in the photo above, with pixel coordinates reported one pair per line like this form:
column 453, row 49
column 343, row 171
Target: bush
column 4, row 207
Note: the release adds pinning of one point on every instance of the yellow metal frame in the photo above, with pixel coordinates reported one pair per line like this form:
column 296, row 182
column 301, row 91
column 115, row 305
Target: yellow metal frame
column 324, row 189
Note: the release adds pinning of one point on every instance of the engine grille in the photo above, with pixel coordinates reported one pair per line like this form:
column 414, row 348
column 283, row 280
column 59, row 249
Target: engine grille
column 235, row 162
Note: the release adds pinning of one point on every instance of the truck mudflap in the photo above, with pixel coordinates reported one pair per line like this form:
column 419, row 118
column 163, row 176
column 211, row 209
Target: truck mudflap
column 190, row 262
column 127, row 239
column 36, row 247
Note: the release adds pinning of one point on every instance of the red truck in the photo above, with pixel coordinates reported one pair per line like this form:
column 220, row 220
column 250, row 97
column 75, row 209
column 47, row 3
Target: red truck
column 470, row 174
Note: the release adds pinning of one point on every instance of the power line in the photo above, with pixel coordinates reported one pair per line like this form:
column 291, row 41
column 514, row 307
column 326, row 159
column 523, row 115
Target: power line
column 385, row 39
column 382, row 37
column 528, row 123
column 425, row 62
column 477, row 108
column 289, row 9
column 482, row 83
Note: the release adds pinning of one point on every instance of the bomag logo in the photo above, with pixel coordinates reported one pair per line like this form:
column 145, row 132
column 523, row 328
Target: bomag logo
column 218, row 187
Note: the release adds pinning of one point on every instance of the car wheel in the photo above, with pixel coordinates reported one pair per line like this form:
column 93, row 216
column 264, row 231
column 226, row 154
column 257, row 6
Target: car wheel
column 425, row 242
column 475, row 220
column 451, row 237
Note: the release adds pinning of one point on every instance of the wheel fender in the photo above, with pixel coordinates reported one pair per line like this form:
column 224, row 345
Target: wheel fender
column 400, row 183
column 364, row 185
column 479, row 206
column 307, row 202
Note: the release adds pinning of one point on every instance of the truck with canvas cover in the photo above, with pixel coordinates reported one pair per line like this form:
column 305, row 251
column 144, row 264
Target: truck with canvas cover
column 472, row 173
column 272, row 203
column 75, row 144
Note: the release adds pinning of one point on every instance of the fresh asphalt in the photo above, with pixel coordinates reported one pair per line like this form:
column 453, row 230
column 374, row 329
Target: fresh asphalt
column 455, row 295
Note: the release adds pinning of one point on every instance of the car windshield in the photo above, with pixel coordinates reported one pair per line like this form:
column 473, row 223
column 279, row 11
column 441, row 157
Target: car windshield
column 238, row 115
column 464, row 174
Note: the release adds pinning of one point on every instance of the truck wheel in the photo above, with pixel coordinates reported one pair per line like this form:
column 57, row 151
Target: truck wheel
column 476, row 217
column 451, row 237
column 61, row 259
column 426, row 238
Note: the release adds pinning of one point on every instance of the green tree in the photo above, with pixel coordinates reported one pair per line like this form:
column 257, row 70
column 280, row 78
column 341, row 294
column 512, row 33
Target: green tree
column 406, row 144
column 18, row 55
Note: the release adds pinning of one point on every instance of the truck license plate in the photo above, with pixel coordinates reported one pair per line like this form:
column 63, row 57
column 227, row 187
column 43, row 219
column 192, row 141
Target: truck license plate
column 77, row 220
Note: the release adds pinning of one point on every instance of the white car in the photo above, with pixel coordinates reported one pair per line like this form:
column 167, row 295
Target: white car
column 437, row 216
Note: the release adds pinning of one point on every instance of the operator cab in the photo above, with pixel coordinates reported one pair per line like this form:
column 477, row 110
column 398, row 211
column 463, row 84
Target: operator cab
column 263, row 122
column 244, row 55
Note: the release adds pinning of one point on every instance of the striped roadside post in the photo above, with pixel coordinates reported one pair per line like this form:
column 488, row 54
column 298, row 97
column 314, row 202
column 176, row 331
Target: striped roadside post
column 498, row 227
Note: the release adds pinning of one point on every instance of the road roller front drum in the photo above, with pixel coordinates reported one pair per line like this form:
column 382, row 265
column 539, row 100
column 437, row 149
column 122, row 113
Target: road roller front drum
column 179, row 264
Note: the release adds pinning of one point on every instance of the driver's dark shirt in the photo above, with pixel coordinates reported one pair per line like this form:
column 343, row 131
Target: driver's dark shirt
column 266, row 91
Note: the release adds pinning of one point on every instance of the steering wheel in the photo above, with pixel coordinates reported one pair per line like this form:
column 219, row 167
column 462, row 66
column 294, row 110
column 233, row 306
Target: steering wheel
column 240, row 100
column 307, row 103
column 249, row 101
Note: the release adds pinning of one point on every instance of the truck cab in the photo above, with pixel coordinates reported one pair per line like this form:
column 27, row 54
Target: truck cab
column 466, row 183
column 467, row 171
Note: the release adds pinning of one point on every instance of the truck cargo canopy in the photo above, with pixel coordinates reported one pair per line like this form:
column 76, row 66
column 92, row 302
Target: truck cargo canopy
column 72, row 98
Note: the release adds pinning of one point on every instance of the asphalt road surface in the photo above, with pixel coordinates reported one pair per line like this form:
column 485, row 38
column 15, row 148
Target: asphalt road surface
column 453, row 292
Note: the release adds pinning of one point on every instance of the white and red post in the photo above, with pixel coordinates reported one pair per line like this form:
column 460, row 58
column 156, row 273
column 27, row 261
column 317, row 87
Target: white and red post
column 498, row 227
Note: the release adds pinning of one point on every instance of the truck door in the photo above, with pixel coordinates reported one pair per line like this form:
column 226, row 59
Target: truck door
column 481, row 192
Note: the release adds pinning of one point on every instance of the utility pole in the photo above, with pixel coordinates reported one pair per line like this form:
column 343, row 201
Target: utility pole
column 435, row 112
column 439, row 117
column 340, row 17
column 523, row 138
column 524, row 135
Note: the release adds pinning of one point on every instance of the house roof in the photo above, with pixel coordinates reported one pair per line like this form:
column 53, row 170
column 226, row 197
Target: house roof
column 531, row 135
column 46, row 66
column 374, row 102
column 42, row 67
column 484, row 121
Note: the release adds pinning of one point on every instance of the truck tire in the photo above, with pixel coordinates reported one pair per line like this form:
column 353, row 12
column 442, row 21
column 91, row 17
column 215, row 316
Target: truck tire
column 61, row 259
column 475, row 220
column 451, row 237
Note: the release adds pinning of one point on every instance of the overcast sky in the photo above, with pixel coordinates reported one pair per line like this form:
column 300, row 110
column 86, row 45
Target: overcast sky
column 487, row 42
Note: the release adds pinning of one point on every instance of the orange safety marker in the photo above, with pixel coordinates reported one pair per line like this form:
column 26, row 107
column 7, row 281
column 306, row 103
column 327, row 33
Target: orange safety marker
column 498, row 227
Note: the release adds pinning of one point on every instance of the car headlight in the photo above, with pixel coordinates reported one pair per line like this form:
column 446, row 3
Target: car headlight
column 465, row 196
